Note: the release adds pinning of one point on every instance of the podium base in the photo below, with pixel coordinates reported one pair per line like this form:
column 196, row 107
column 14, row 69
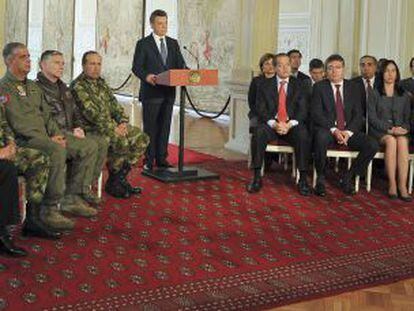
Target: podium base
column 172, row 175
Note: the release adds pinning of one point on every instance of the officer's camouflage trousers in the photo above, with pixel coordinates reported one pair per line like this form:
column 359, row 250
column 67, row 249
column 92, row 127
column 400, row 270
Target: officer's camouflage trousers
column 34, row 166
column 127, row 149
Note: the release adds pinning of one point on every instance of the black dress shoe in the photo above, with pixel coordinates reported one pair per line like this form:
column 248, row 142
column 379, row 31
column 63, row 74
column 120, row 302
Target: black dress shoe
column 163, row 164
column 8, row 248
column 148, row 167
column 347, row 186
column 254, row 186
column 304, row 188
column 406, row 198
column 320, row 189
column 36, row 231
column 392, row 196
column 133, row 190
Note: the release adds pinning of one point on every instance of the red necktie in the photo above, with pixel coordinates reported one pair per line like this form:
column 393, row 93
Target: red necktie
column 281, row 111
column 339, row 106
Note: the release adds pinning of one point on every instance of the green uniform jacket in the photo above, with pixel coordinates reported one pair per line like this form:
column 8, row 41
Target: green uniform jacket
column 26, row 112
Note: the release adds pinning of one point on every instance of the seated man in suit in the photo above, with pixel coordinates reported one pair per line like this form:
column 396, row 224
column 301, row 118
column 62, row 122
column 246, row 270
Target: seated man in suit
column 295, row 57
column 281, row 111
column 316, row 70
column 9, row 203
column 155, row 54
column 408, row 86
column 366, row 82
column 337, row 118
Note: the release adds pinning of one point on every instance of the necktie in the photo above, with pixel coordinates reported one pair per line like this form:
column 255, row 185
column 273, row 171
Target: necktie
column 339, row 106
column 369, row 87
column 281, row 111
column 163, row 51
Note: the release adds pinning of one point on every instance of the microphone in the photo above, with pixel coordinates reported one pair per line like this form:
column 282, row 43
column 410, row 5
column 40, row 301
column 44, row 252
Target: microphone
column 195, row 57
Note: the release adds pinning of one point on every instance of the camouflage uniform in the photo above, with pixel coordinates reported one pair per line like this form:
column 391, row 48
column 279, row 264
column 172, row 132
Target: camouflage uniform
column 101, row 114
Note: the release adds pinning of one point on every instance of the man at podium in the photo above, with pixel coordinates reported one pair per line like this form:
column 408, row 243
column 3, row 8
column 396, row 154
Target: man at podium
column 154, row 54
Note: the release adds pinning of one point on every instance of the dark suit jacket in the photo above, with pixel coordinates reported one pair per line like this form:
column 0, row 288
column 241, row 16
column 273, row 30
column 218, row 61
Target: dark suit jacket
column 408, row 85
column 386, row 112
column 147, row 60
column 323, row 106
column 360, row 83
column 267, row 100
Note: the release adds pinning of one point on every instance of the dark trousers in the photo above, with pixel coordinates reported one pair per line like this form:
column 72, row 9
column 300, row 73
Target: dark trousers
column 298, row 137
column 9, row 195
column 157, row 114
column 366, row 146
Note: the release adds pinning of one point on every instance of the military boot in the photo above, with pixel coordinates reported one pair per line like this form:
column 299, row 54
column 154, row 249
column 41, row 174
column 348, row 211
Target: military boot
column 124, row 181
column 34, row 227
column 52, row 216
column 74, row 205
column 114, row 186
column 89, row 197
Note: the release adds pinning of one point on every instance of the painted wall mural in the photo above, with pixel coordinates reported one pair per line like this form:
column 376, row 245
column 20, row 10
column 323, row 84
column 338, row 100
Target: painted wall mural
column 117, row 36
column 209, row 29
column 16, row 21
column 58, row 30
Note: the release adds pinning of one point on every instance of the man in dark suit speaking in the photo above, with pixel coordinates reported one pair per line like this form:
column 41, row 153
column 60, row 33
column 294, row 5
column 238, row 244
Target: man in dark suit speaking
column 154, row 54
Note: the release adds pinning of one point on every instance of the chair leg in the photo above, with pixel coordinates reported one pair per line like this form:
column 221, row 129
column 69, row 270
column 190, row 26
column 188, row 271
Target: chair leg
column 410, row 176
column 293, row 165
column 286, row 159
column 262, row 169
column 357, row 183
column 22, row 191
column 349, row 163
column 336, row 164
column 100, row 180
column 314, row 177
column 297, row 176
column 369, row 176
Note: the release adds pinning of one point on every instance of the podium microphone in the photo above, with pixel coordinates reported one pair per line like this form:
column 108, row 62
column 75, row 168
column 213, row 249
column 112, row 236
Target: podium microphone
column 195, row 57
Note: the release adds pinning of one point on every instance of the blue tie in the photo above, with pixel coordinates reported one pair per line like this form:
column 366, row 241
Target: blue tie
column 163, row 51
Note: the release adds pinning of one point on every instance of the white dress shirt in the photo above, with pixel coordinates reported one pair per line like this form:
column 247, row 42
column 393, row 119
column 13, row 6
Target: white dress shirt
column 341, row 91
column 272, row 122
column 371, row 81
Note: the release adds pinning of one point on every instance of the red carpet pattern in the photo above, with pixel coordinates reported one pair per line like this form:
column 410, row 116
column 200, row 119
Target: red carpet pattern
column 211, row 246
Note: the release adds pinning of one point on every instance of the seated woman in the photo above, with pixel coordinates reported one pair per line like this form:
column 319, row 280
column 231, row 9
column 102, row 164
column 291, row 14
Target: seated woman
column 9, row 199
column 389, row 122
column 267, row 71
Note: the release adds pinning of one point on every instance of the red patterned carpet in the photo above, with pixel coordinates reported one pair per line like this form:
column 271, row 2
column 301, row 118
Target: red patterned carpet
column 211, row 246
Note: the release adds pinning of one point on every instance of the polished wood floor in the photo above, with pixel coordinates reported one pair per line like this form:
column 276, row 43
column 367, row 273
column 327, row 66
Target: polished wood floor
column 209, row 137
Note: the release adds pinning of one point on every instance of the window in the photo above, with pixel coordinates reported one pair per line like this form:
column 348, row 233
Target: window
column 84, row 32
column 35, row 34
column 168, row 6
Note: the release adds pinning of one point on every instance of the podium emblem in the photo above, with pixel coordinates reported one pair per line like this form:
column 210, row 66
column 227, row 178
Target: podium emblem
column 194, row 76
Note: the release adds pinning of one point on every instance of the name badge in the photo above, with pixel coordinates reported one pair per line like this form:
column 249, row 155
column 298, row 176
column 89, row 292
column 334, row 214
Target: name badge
column 21, row 91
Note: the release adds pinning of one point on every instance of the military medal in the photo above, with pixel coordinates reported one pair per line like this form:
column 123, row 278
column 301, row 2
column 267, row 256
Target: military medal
column 21, row 90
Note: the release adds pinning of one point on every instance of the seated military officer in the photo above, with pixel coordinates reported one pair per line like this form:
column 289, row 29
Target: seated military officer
column 62, row 108
column 30, row 119
column 34, row 166
column 105, row 122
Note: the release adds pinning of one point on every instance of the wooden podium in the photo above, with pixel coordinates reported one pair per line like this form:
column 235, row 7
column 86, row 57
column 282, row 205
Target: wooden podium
column 183, row 78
